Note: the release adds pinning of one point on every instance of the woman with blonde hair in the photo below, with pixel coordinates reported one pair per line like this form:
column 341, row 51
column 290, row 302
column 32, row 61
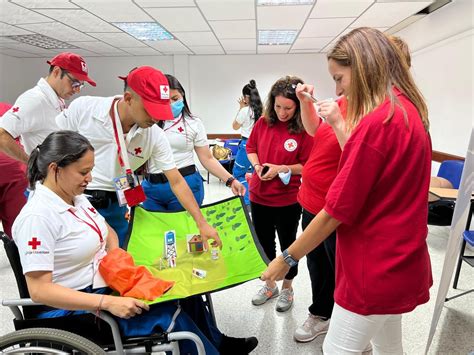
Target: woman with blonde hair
column 377, row 202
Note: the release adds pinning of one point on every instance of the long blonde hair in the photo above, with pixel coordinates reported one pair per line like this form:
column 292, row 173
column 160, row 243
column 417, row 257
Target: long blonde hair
column 377, row 65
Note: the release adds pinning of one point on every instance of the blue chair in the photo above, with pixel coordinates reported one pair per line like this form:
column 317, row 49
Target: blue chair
column 451, row 170
column 233, row 145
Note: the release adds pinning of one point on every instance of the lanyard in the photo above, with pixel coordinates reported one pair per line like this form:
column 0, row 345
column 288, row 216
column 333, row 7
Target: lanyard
column 118, row 133
column 94, row 226
column 174, row 124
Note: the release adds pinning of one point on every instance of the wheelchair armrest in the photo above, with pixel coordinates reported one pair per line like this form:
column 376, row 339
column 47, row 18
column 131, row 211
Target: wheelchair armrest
column 15, row 304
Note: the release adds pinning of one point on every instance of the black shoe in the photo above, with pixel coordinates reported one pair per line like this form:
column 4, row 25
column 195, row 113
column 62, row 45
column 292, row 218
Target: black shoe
column 237, row 346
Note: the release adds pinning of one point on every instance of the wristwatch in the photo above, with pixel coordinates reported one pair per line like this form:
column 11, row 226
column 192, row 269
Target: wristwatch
column 289, row 259
column 229, row 181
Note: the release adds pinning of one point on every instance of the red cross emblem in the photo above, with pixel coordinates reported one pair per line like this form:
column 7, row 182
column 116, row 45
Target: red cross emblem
column 138, row 150
column 92, row 209
column 165, row 89
column 290, row 145
column 15, row 109
column 34, row 243
column 180, row 129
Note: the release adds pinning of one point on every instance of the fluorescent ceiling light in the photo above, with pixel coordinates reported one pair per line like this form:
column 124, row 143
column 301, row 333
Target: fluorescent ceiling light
column 145, row 31
column 42, row 41
column 275, row 37
column 284, row 2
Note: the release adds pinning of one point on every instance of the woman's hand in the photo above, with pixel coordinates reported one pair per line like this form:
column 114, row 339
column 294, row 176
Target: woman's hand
column 271, row 172
column 123, row 307
column 242, row 102
column 276, row 270
column 237, row 188
column 331, row 112
column 304, row 88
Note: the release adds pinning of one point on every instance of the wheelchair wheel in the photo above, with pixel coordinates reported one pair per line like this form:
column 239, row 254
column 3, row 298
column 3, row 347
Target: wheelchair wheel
column 46, row 341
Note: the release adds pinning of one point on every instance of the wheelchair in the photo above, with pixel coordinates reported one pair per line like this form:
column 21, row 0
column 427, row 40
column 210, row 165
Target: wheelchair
column 77, row 334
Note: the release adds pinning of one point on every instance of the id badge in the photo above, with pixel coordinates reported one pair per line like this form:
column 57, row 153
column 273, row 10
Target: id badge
column 121, row 184
column 98, row 281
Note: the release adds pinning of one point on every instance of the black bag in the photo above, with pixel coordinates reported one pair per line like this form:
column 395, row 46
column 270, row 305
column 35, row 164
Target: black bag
column 440, row 213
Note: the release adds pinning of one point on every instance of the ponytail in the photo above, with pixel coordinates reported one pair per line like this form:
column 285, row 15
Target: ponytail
column 33, row 172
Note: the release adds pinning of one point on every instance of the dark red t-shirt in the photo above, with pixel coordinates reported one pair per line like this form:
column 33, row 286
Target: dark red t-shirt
column 11, row 169
column 379, row 195
column 321, row 168
column 275, row 145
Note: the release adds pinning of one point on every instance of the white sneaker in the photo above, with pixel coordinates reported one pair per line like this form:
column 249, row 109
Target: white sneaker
column 311, row 328
column 264, row 294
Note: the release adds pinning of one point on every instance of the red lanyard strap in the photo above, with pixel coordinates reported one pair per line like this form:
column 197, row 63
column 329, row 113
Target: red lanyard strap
column 94, row 226
column 117, row 141
column 174, row 124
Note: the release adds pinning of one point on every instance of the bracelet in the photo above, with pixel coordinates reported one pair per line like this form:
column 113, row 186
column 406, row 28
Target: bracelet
column 97, row 313
column 253, row 166
column 229, row 181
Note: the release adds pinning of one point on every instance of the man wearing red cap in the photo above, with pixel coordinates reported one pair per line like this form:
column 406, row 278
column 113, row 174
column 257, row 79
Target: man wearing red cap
column 32, row 117
column 145, row 101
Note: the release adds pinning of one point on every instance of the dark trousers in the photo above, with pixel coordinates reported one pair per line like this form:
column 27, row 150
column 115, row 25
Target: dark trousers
column 284, row 220
column 321, row 266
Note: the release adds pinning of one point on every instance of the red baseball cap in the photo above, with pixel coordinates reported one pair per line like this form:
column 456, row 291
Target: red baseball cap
column 74, row 64
column 153, row 88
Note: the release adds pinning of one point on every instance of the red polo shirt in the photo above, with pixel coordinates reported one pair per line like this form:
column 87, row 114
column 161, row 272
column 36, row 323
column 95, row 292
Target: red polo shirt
column 275, row 145
column 379, row 195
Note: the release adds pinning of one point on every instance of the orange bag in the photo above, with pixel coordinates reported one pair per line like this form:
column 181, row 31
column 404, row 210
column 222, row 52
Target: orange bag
column 121, row 274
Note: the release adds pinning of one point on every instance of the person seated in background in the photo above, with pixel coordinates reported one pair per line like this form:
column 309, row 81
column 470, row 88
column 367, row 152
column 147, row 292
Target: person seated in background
column 250, row 110
column 186, row 135
column 59, row 247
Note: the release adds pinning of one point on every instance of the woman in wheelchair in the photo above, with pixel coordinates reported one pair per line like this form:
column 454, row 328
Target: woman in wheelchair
column 60, row 237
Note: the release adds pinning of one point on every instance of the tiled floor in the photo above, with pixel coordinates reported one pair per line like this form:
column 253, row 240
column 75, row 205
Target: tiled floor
column 237, row 317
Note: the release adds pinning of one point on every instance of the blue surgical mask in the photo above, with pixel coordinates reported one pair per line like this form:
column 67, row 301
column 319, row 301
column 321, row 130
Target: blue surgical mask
column 177, row 107
column 285, row 177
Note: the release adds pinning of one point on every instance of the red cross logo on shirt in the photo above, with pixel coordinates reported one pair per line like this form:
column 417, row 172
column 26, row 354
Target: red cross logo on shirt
column 180, row 129
column 34, row 243
column 92, row 209
column 290, row 145
column 138, row 150
column 15, row 109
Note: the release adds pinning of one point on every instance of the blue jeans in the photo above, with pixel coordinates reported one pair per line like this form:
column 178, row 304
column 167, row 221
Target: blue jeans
column 160, row 197
column 193, row 317
column 242, row 166
column 114, row 214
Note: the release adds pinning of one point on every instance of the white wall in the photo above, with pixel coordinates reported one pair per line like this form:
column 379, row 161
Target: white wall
column 441, row 44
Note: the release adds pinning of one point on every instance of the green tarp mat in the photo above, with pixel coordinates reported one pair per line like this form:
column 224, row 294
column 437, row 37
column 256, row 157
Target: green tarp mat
column 241, row 258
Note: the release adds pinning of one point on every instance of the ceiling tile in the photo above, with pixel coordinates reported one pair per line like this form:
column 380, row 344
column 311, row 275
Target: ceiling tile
column 311, row 43
column 241, row 52
column 141, row 51
column 14, row 14
column 9, row 30
column 227, row 9
column 234, row 29
column 167, row 46
column 97, row 46
column 339, row 8
column 116, row 11
column 325, row 27
column 165, row 3
column 18, row 54
column 81, row 52
column 80, row 20
column 302, row 51
column 197, row 38
column 6, row 40
column 239, row 44
column 207, row 49
column 389, row 14
column 180, row 19
column 28, row 48
column 282, row 17
column 118, row 39
column 58, row 31
column 42, row 4
column 273, row 49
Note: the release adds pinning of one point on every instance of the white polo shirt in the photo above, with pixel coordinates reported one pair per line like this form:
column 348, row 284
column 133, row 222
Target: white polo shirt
column 89, row 115
column 245, row 118
column 183, row 135
column 50, row 238
column 32, row 117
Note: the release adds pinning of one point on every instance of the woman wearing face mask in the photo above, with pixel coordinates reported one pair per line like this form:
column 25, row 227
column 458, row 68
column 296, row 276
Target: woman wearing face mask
column 249, row 112
column 277, row 149
column 186, row 135
column 377, row 201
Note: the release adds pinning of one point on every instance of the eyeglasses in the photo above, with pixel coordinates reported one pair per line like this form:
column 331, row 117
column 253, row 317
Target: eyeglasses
column 75, row 84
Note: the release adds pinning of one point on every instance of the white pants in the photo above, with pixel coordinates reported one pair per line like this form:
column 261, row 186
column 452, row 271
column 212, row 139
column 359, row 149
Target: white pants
column 351, row 333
